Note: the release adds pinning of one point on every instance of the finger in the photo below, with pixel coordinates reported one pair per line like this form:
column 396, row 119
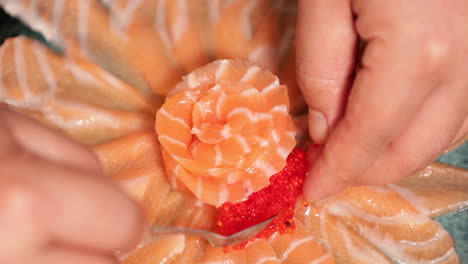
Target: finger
column 433, row 129
column 18, row 214
column 385, row 97
column 461, row 137
column 47, row 143
column 63, row 255
column 77, row 208
column 326, row 51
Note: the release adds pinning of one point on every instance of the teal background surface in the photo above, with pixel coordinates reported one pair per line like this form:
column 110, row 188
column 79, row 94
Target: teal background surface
column 455, row 223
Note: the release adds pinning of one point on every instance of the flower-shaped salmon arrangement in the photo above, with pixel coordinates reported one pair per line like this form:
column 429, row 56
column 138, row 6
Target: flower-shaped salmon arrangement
column 192, row 106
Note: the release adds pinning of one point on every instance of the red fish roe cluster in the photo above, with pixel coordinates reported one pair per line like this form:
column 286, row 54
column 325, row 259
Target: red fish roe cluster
column 279, row 198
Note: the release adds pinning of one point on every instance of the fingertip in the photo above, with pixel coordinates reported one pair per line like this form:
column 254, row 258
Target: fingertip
column 320, row 183
column 318, row 127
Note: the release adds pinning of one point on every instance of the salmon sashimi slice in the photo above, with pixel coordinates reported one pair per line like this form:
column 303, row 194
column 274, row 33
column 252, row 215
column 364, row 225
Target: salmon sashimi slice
column 436, row 190
column 398, row 229
column 178, row 25
column 347, row 246
column 299, row 247
column 164, row 250
column 34, row 73
column 261, row 252
column 247, row 30
column 233, row 130
column 119, row 42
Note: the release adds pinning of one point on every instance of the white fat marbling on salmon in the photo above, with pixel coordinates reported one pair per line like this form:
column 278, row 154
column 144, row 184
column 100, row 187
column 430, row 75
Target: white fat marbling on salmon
column 98, row 116
column 272, row 86
column 397, row 250
column 46, row 72
column 21, row 70
column 192, row 80
column 246, row 23
column 181, row 23
column 231, row 178
column 251, row 72
column 29, row 16
column 262, row 141
column 416, row 201
column 344, row 209
column 122, row 18
column 245, row 145
column 59, row 7
column 240, row 110
column 294, row 245
column 259, row 54
column 291, row 134
column 219, row 155
column 195, row 131
column 110, row 79
column 321, row 258
column 223, row 65
column 267, row 169
column 275, row 136
column 80, row 74
column 83, row 19
column 199, row 187
column 263, row 260
column 213, row 10
column 177, row 119
column 282, row 152
column 226, row 132
column 172, row 140
column 223, row 194
column 280, row 108
column 160, row 23
column 366, row 256
column 220, row 103
column 249, row 91
column 136, row 186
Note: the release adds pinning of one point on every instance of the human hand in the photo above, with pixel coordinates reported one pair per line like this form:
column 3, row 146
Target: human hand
column 407, row 102
column 55, row 206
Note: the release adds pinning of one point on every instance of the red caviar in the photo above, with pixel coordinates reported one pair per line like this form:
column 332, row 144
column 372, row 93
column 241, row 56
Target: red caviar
column 279, row 198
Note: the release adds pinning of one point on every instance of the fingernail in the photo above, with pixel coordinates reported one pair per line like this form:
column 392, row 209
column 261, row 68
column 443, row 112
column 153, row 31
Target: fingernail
column 318, row 127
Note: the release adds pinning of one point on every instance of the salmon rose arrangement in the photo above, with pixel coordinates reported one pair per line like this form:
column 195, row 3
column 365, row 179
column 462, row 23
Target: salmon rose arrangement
column 193, row 108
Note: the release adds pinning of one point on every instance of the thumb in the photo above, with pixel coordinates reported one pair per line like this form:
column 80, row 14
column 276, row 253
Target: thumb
column 326, row 53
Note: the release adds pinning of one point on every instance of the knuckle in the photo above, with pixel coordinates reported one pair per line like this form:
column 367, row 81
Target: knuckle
column 433, row 54
column 313, row 82
column 368, row 137
column 17, row 198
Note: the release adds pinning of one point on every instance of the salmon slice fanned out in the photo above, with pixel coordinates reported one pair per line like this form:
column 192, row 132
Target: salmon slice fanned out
column 78, row 98
column 225, row 131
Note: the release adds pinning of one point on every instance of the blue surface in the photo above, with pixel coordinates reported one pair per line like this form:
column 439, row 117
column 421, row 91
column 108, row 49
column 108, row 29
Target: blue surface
column 457, row 223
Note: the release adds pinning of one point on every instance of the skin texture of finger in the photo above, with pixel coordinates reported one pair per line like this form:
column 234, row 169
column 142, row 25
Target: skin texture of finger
column 460, row 138
column 365, row 131
column 61, row 255
column 326, row 53
column 48, row 144
column 82, row 209
column 422, row 141
column 21, row 233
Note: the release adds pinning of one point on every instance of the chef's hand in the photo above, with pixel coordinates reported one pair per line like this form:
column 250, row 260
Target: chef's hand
column 406, row 103
column 55, row 204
